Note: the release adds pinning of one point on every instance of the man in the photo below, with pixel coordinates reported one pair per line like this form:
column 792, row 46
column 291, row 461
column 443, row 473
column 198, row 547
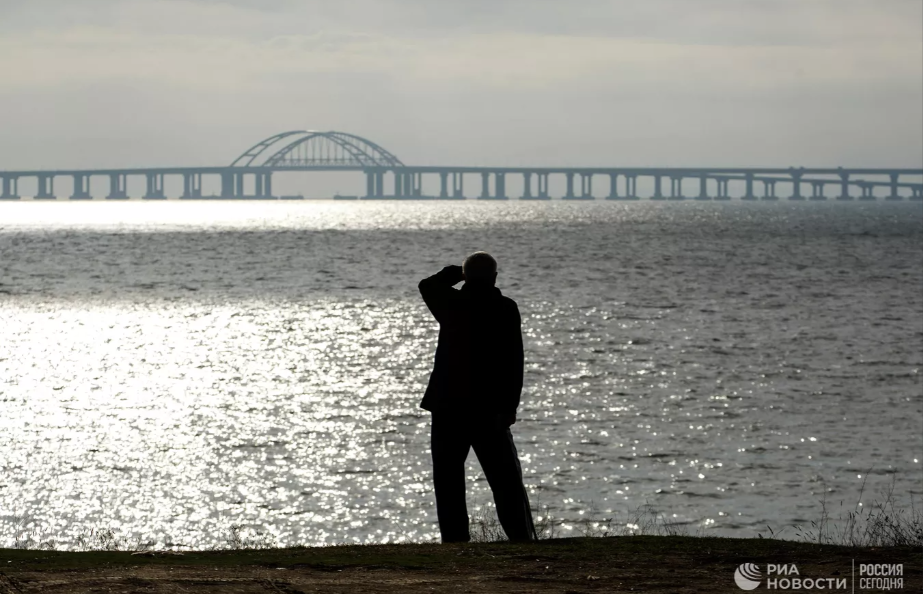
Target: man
column 473, row 394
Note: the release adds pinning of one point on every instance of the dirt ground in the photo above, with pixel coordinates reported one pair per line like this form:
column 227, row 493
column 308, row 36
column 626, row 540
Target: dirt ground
column 564, row 566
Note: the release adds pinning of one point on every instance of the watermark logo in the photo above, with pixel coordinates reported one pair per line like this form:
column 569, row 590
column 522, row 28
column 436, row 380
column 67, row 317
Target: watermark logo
column 747, row 576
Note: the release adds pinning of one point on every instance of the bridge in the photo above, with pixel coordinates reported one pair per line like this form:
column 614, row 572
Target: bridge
column 249, row 177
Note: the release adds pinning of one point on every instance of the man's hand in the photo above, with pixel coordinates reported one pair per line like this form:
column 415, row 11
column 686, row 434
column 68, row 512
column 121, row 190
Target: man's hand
column 457, row 273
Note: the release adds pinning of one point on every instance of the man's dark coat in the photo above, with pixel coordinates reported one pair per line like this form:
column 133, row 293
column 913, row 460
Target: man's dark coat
column 479, row 356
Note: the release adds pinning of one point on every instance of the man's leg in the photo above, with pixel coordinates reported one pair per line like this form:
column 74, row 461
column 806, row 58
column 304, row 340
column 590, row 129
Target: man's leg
column 450, row 445
column 497, row 455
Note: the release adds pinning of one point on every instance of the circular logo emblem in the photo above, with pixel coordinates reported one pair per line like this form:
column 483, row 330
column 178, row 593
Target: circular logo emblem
column 747, row 576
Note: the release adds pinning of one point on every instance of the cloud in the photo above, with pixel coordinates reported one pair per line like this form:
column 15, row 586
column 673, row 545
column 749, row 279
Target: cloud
column 472, row 81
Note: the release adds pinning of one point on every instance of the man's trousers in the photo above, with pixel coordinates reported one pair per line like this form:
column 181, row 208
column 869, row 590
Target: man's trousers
column 452, row 436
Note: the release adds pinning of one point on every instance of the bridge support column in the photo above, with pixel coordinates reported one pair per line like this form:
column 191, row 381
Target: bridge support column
column 658, row 191
column 398, row 184
column 917, row 193
column 45, row 188
column 485, row 186
column 379, row 184
column 239, row 181
column 458, row 190
column 258, row 185
column 867, row 192
column 723, row 189
column 676, row 188
column 569, row 194
column 443, row 184
column 796, row 187
column 748, row 193
column 154, row 187
column 631, row 187
column 613, row 186
column 526, row 185
column 117, row 191
column 844, row 187
column 227, row 184
column 817, row 191
column 586, row 186
column 9, row 188
column 81, row 187
column 769, row 189
column 262, row 185
column 500, row 183
column 417, row 184
column 369, row 184
column 192, row 186
column 894, row 193
column 703, row 188
column 543, row 187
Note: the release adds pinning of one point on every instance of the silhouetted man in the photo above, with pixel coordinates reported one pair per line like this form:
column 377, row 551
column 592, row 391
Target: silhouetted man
column 473, row 394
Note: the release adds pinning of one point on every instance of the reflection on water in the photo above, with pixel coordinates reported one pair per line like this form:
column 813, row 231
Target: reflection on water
column 173, row 369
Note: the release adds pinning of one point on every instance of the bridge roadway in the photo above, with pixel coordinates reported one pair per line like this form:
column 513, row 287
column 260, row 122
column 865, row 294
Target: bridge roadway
column 250, row 177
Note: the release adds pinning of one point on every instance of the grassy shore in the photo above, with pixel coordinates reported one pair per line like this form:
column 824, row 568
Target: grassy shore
column 611, row 564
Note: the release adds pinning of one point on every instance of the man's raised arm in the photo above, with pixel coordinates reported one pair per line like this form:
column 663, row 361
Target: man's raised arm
column 437, row 290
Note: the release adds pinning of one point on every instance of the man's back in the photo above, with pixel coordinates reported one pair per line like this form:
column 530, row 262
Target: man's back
column 479, row 356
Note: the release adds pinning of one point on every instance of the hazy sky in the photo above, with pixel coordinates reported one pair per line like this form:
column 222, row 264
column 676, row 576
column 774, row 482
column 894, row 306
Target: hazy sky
column 482, row 82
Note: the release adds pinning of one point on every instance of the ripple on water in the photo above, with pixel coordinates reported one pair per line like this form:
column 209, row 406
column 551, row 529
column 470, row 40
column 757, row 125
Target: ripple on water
column 171, row 373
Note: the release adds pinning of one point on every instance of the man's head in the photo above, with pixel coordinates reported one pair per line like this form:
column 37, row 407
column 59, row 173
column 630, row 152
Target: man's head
column 480, row 268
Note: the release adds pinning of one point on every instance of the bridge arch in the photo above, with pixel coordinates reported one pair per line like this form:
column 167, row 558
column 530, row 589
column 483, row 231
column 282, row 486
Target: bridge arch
column 299, row 149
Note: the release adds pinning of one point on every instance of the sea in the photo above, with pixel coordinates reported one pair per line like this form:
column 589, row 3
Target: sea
column 181, row 374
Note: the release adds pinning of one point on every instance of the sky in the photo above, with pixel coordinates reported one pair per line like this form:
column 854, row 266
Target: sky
column 118, row 83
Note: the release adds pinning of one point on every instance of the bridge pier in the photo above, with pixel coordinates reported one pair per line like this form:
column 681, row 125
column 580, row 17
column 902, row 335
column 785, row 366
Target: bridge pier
column 723, row 189
column 586, row 187
column 9, row 188
column 613, row 186
column 569, row 192
column 443, row 184
column 370, row 184
column 676, row 188
column 917, row 193
column 769, row 190
column 45, row 188
column 458, row 190
column 262, row 185
column 796, row 186
column 192, row 186
column 526, row 186
column 81, row 187
column 844, row 187
column 748, row 193
column 500, row 183
column 541, row 181
column 703, row 188
column 817, row 191
column 227, row 184
column 894, row 193
column 867, row 192
column 154, row 187
column 117, row 189
column 658, row 192
column 631, row 187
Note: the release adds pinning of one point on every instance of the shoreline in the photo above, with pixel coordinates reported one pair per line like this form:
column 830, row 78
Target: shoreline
column 605, row 564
